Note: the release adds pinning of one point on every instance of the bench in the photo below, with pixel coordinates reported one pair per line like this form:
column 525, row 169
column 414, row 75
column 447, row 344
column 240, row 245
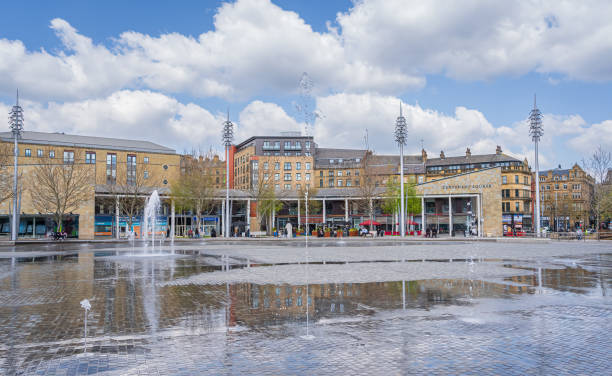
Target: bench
column 255, row 234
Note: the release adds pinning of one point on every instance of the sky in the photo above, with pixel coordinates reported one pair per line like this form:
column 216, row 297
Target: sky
column 465, row 73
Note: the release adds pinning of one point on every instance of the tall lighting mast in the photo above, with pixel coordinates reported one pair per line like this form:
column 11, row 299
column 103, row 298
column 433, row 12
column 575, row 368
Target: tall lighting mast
column 16, row 125
column 536, row 131
column 401, row 131
column 228, row 137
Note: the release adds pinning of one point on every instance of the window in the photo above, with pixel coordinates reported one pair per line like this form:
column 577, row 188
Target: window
column 276, row 186
column 348, row 183
column 287, row 177
column 556, row 186
column 357, row 173
column 287, row 154
column 145, row 174
column 287, row 165
column 548, row 187
column 331, row 182
column 287, row 186
column 145, row 160
column 525, row 180
column 51, row 153
column 111, row 168
column 339, row 173
column 39, row 153
column 266, row 144
column 298, row 165
column 339, row 182
column 504, row 180
column 331, row 161
column 307, row 144
column 308, row 165
column 298, row 177
column 307, row 176
column 265, row 165
column 516, row 193
column 517, row 206
column 28, row 152
column 266, row 176
column 68, row 156
column 357, row 182
column 276, row 145
column 516, row 179
column 276, row 176
column 90, row 157
column 348, row 173
column 421, row 179
column 130, row 178
column 564, row 186
column 526, row 207
column 287, row 145
column 330, row 173
column 321, row 183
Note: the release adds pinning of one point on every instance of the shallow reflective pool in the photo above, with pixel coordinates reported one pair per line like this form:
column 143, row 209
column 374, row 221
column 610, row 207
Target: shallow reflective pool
column 186, row 313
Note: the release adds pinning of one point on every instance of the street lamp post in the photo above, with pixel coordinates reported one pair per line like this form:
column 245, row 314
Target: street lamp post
column 16, row 125
column 400, row 137
column 306, row 203
column 536, row 131
column 228, row 136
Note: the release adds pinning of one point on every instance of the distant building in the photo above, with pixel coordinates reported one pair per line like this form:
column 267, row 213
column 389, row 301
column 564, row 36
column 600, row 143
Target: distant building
column 565, row 198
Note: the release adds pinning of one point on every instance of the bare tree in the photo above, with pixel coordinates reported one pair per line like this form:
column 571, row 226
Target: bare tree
column 6, row 171
column 134, row 183
column 369, row 186
column 195, row 190
column 60, row 186
column 598, row 165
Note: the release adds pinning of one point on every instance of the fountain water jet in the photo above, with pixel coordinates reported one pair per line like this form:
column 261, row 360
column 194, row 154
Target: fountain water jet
column 149, row 218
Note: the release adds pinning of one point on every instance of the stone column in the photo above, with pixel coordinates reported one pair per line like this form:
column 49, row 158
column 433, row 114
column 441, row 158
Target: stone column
column 480, row 232
column 324, row 213
column 223, row 215
column 346, row 210
column 248, row 218
column 422, row 215
column 34, row 227
column 172, row 219
column 117, row 218
column 450, row 216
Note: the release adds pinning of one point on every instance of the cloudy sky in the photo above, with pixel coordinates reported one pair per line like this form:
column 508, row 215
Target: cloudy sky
column 465, row 72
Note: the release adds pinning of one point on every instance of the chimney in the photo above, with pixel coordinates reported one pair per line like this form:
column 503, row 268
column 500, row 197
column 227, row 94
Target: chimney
column 201, row 158
column 441, row 154
column 423, row 155
column 498, row 150
column 468, row 153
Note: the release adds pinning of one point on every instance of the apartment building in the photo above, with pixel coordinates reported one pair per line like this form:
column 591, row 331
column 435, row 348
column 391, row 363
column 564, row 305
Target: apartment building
column 112, row 163
column 565, row 198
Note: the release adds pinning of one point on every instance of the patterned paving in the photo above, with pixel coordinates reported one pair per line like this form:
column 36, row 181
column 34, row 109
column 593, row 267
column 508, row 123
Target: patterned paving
column 554, row 320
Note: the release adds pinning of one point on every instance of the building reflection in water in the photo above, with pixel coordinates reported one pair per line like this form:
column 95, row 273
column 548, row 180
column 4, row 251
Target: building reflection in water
column 41, row 298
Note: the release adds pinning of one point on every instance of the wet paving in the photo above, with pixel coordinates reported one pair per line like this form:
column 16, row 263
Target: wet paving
column 204, row 310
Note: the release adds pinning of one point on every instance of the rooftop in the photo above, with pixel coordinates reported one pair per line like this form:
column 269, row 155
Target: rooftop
column 481, row 158
column 62, row 139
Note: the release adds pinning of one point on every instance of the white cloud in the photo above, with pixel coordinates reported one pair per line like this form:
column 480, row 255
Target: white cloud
column 143, row 115
column 591, row 137
column 348, row 115
column 473, row 39
column 261, row 119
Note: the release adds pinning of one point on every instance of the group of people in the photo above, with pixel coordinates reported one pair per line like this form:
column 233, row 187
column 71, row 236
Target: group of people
column 431, row 232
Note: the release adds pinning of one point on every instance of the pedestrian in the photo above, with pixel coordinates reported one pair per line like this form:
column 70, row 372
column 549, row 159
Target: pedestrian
column 197, row 233
column 213, row 233
column 167, row 232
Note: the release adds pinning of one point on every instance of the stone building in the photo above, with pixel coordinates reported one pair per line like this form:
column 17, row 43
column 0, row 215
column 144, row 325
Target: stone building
column 565, row 198
column 113, row 164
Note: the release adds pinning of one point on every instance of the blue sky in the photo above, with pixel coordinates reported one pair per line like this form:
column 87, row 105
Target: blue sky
column 167, row 71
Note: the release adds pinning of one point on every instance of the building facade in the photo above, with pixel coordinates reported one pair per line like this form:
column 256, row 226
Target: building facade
column 565, row 198
column 113, row 165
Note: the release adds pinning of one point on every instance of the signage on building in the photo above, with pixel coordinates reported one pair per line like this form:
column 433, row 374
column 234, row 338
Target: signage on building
column 466, row 186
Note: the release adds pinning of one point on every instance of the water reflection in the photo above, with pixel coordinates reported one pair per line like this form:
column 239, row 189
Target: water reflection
column 40, row 318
